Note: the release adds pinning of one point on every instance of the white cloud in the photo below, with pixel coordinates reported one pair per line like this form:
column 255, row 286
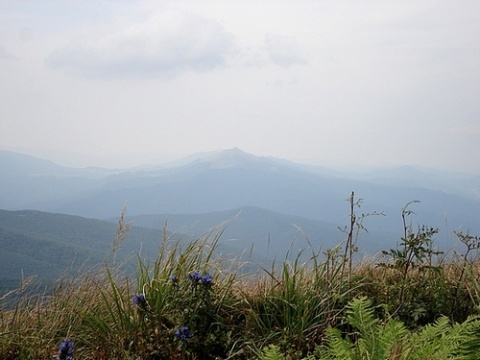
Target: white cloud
column 283, row 50
column 472, row 129
column 166, row 44
column 4, row 54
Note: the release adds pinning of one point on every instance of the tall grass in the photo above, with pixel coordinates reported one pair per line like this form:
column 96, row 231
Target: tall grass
column 190, row 303
column 291, row 306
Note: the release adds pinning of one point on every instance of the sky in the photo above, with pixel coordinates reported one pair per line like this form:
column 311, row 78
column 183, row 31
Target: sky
column 333, row 83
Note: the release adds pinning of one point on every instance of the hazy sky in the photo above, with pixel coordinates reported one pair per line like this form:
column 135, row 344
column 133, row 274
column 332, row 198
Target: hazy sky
column 325, row 82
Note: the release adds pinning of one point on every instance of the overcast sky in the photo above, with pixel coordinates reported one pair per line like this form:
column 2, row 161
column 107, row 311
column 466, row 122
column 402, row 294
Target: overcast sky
column 323, row 82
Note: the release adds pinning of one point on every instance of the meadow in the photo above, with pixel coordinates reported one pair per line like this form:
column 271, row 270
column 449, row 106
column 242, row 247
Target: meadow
column 411, row 302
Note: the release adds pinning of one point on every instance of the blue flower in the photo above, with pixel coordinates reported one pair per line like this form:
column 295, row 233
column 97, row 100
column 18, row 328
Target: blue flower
column 140, row 300
column 207, row 279
column 65, row 351
column 183, row 333
column 194, row 277
column 174, row 279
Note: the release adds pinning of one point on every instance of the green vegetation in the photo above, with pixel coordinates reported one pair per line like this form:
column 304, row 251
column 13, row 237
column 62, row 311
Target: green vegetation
column 190, row 303
column 47, row 245
column 373, row 339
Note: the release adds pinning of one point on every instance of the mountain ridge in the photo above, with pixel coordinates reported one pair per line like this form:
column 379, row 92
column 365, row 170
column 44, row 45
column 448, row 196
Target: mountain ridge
column 230, row 179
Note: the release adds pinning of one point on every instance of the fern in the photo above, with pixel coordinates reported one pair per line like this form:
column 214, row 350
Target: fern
column 433, row 340
column 271, row 352
column 336, row 347
column 372, row 339
column 469, row 341
column 360, row 315
column 443, row 341
column 390, row 339
column 376, row 340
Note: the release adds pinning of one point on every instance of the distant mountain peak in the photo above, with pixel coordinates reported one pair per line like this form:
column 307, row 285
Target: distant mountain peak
column 230, row 158
column 232, row 152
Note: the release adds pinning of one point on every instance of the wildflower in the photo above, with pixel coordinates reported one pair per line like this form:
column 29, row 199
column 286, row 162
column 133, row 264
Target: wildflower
column 194, row 277
column 173, row 279
column 207, row 279
column 183, row 333
column 66, row 350
column 140, row 300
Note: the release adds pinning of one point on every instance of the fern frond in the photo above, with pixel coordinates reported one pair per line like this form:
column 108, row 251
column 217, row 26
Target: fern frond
column 392, row 339
column 360, row 315
column 377, row 340
column 271, row 352
column 432, row 340
column 336, row 347
column 467, row 336
column 444, row 341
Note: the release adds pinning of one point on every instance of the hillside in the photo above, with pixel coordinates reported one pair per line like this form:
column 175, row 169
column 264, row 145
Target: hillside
column 46, row 245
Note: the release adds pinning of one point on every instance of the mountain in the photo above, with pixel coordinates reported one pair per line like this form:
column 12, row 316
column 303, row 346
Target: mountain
column 232, row 179
column 264, row 203
column 29, row 182
column 45, row 245
column 428, row 178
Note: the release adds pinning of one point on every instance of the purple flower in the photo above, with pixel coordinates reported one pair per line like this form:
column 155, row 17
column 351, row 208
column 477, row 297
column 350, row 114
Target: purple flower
column 194, row 277
column 140, row 300
column 174, row 279
column 207, row 279
column 65, row 351
column 183, row 333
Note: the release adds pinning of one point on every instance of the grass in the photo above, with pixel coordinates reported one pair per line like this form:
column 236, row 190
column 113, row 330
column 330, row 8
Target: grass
column 190, row 303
